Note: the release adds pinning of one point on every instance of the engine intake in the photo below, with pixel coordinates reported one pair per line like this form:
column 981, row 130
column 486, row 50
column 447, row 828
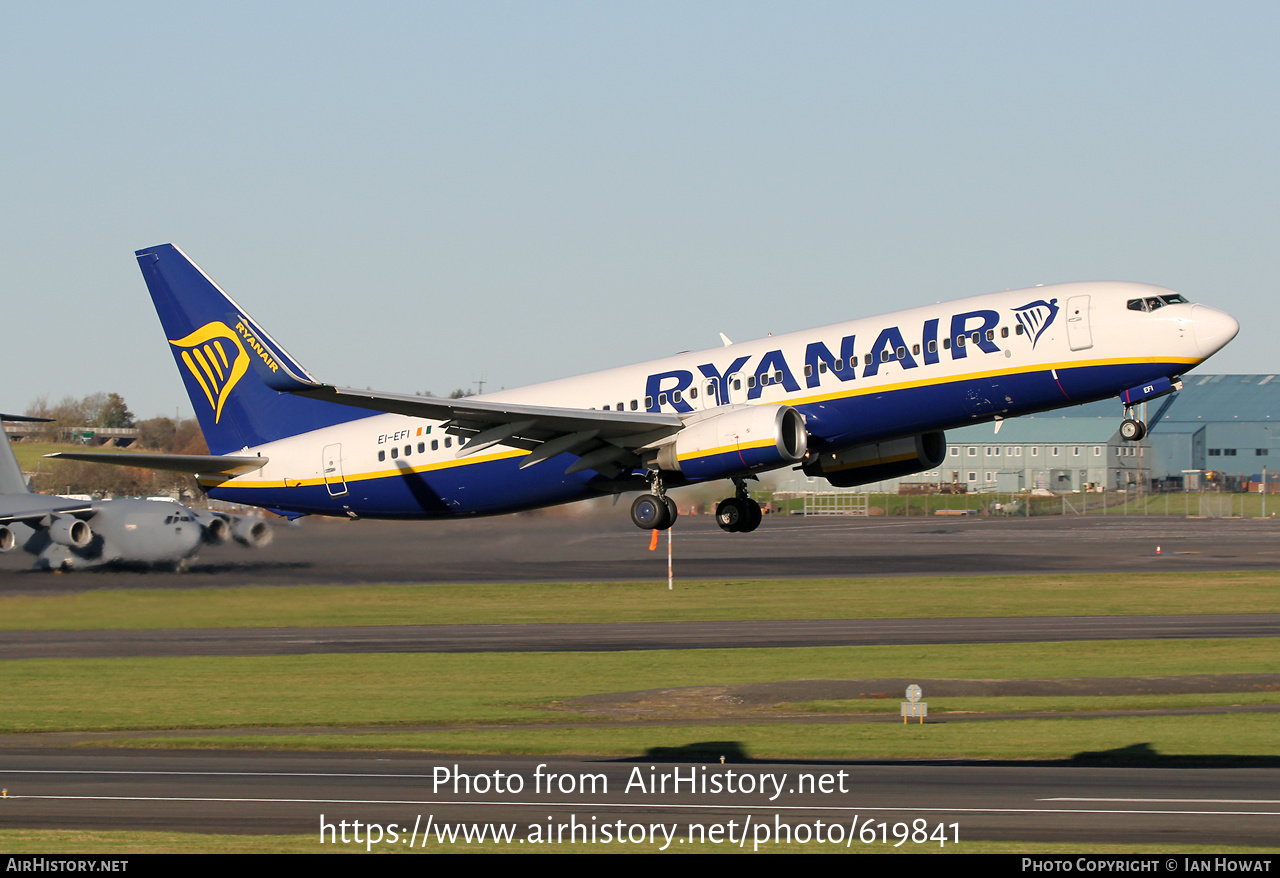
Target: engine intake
column 744, row 440
column 70, row 532
column 251, row 532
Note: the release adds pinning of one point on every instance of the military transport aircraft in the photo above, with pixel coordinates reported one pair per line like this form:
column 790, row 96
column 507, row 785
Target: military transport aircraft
column 853, row 402
column 65, row 533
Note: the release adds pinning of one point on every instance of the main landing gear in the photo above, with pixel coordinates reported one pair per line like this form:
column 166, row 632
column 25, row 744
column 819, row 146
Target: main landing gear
column 654, row 511
column 657, row 511
column 739, row 514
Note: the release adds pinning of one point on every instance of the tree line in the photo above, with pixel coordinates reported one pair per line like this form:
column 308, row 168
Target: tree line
column 165, row 435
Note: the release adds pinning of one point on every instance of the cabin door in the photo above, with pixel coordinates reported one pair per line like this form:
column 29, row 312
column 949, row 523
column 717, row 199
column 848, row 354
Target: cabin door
column 331, row 466
column 1079, row 334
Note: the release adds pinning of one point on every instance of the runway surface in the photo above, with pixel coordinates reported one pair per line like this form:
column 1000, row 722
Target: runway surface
column 615, row 637
column 53, row 786
column 601, row 544
column 294, row 793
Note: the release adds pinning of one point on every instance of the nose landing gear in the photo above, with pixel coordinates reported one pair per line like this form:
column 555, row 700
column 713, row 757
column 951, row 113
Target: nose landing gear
column 1132, row 429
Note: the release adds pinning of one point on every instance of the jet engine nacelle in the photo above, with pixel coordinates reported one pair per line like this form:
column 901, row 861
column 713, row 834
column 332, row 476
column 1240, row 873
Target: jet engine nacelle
column 7, row 539
column 70, row 532
column 252, row 532
column 877, row 461
column 216, row 529
column 746, row 439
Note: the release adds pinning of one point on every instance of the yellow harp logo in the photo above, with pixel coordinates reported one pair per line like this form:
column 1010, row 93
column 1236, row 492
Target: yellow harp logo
column 216, row 359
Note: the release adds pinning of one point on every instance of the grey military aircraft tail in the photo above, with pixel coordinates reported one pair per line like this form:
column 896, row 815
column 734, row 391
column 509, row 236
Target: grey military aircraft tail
column 65, row 533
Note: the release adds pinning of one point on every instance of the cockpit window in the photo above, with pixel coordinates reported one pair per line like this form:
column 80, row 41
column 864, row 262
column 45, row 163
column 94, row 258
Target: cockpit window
column 1151, row 303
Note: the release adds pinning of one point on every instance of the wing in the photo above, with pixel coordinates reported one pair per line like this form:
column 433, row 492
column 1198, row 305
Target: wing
column 40, row 510
column 608, row 442
column 209, row 465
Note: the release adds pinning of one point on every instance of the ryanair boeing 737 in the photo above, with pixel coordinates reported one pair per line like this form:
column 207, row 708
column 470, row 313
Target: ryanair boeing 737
column 852, row 402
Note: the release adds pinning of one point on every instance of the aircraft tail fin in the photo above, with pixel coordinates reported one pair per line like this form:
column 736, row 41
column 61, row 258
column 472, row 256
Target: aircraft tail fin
column 11, row 478
column 232, row 369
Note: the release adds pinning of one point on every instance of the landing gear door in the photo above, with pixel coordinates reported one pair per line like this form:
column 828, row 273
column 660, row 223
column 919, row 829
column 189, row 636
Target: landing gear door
column 1079, row 334
column 331, row 466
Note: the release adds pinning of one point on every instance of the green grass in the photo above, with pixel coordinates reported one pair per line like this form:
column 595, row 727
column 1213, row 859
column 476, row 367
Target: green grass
column 487, row 688
column 29, row 454
column 1151, row 740
column 939, row 707
column 905, row 597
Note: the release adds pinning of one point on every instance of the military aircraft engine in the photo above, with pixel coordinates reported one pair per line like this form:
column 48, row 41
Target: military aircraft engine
column 216, row 529
column 70, row 532
column 251, row 532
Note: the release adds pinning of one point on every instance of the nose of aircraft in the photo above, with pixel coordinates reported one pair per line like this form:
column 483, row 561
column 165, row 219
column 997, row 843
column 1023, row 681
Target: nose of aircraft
column 1212, row 328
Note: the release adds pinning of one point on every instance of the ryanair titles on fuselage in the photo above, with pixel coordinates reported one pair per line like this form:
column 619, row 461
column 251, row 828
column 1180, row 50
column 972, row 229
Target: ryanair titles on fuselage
column 969, row 330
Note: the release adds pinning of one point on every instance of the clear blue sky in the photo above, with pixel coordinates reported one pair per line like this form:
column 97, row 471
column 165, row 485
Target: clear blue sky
column 412, row 196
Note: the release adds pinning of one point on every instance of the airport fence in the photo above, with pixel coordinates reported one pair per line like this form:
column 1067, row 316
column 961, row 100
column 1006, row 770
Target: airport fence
column 1104, row 503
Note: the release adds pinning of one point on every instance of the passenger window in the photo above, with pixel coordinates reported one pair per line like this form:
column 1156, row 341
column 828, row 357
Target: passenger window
column 619, row 406
column 1004, row 332
column 902, row 353
column 662, row 399
column 915, row 349
column 751, row 381
column 408, row 449
column 634, row 405
column 382, row 455
column 959, row 341
column 675, row 396
column 1019, row 329
column 422, row 446
column 866, row 360
column 448, row 442
column 991, row 335
column 977, row 337
column 884, row 356
column 435, row 444
column 395, row 452
column 933, row 346
column 839, row 365
column 648, row 402
column 777, row 377
column 606, row 408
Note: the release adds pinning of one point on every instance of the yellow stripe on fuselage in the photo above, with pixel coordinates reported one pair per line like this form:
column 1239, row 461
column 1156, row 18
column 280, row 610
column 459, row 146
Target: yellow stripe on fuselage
column 369, row 476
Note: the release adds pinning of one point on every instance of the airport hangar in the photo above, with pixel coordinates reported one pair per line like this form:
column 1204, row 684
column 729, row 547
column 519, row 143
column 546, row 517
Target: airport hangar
column 1218, row 433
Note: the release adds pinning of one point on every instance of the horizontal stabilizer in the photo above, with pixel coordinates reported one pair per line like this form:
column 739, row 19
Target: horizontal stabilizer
column 195, row 464
column 26, row 419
